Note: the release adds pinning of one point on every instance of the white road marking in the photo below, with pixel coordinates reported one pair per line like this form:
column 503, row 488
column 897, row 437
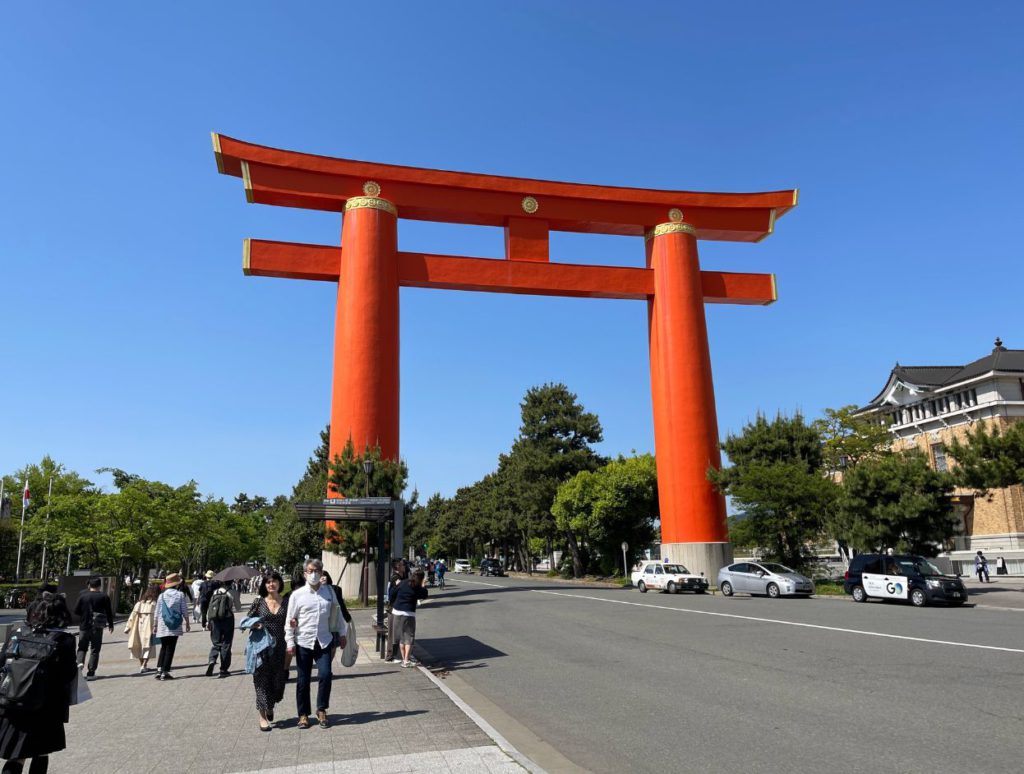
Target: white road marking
column 481, row 583
column 784, row 623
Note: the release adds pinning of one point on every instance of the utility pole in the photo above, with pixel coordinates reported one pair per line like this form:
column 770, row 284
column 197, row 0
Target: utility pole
column 49, row 491
column 21, row 532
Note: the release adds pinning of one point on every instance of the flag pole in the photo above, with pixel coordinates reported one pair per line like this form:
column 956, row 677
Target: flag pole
column 49, row 491
column 21, row 532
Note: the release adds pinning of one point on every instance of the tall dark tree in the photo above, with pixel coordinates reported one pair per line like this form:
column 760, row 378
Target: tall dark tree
column 554, row 444
column 988, row 457
column 776, row 484
column 897, row 501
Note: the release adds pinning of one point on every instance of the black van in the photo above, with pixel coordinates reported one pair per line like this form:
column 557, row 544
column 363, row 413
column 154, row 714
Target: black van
column 901, row 576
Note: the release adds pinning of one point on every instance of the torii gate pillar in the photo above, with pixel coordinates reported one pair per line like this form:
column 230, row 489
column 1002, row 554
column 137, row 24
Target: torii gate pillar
column 685, row 423
column 364, row 395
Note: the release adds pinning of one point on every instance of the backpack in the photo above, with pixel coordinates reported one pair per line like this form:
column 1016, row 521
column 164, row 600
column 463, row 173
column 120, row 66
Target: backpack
column 221, row 606
column 29, row 675
column 172, row 618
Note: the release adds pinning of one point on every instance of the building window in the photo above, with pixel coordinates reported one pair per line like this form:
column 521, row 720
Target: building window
column 939, row 454
column 973, row 398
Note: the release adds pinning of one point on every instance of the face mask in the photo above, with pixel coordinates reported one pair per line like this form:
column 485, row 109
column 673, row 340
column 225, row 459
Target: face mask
column 313, row 578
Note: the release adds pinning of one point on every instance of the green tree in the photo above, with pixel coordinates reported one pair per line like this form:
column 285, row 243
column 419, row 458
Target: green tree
column 989, row 458
column 776, row 485
column 603, row 508
column 897, row 501
column 554, row 444
column 847, row 439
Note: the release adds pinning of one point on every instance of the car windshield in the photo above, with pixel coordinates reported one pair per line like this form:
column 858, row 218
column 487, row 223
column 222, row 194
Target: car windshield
column 676, row 569
column 778, row 569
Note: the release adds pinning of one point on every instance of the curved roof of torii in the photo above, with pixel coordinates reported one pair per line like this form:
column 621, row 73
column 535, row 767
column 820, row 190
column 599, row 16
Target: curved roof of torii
column 293, row 179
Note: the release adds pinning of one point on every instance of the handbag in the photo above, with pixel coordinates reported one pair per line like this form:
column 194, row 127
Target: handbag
column 350, row 652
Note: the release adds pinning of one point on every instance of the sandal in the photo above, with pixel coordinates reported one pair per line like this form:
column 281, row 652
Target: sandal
column 303, row 721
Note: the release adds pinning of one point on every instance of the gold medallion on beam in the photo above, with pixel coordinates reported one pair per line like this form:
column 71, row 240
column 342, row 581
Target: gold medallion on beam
column 530, row 205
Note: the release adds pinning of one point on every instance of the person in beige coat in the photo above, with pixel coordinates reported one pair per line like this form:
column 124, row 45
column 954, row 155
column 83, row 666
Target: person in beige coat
column 140, row 627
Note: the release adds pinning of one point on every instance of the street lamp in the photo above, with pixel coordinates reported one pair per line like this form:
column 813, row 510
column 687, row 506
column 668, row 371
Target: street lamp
column 368, row 470
column 625, row 566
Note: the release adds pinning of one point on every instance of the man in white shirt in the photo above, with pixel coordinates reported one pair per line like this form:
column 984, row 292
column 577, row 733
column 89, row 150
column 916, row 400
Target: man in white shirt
column 195, row 598
column 311, row 632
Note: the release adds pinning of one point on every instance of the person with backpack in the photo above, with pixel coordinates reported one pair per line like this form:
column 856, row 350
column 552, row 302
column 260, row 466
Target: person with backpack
column 205, row 590
column 95, row 614
column 171, row 613
column 221, row 616
column 440, row 568
column 38, row 670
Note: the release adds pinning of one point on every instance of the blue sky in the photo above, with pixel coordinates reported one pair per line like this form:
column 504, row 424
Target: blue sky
column 130, row 337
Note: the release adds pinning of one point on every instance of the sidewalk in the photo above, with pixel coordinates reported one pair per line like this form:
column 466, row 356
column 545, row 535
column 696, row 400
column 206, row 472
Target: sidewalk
column 384, row 719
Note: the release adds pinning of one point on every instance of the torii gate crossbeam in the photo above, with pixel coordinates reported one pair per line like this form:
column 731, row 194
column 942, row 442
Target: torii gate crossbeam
column 369, row 271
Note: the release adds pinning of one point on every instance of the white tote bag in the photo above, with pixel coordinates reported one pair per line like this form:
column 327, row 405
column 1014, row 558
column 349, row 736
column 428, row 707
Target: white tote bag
column 351, row 650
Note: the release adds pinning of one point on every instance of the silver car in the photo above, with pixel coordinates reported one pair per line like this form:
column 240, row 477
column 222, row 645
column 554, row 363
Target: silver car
column 773, row 580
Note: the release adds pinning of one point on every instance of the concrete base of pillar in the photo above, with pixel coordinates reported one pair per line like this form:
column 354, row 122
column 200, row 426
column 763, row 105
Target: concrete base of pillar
column 335, row 565
column 699, row 558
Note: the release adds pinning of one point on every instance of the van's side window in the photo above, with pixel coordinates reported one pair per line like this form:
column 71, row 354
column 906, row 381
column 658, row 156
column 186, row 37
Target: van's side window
column 873, row 565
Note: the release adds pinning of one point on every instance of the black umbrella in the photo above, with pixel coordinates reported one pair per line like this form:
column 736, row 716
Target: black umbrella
column 238, row 572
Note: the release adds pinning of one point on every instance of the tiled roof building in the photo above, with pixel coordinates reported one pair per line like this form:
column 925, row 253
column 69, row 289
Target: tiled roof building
column 926, row 406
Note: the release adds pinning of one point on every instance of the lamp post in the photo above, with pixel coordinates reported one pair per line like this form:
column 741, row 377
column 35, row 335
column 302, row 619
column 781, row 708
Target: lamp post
column 368, row 470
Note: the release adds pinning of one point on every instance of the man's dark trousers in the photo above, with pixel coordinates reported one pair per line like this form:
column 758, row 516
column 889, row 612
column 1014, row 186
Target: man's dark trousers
column 304, row 658
column 222, row 632
column 90, row 638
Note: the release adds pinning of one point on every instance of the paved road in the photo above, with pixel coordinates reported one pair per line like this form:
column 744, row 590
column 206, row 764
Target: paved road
column 619, row 681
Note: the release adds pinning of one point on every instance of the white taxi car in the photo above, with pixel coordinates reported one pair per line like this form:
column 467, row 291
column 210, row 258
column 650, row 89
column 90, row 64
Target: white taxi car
column 673, row 578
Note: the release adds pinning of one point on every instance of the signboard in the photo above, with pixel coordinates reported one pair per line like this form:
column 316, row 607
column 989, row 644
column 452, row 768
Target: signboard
column 885, row 586
column 351, row 509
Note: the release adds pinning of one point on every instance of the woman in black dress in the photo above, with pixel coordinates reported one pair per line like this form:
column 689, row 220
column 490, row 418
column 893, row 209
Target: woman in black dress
column 272, row 673
column 38, row 733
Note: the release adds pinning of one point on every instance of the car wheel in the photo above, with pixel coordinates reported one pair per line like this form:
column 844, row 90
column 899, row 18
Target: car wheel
column 671, row 588
column 641, row 587
column 726, row 589
column 773, row 590
column 858, row 594
column 918, row 598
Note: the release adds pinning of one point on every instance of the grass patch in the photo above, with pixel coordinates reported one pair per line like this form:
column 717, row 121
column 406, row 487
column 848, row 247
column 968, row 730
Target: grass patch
column 829, row 588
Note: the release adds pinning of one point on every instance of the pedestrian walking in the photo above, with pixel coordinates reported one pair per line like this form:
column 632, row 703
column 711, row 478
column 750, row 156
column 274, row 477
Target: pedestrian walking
column 205, row 590
column 140, row 628
column 399, row 571
column 38, row 732
column 171, row 613
column 271, row 674
column 1001, row 566
column 981, row 566
column 221, row 617
column 313, row 629
column 197, row 587
column 407, row 596
column 95, row 614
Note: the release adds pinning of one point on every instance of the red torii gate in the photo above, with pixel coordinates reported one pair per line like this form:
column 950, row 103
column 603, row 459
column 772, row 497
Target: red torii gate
column 369, row 271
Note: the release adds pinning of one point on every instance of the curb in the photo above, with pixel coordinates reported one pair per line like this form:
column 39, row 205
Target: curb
column 505, row 746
